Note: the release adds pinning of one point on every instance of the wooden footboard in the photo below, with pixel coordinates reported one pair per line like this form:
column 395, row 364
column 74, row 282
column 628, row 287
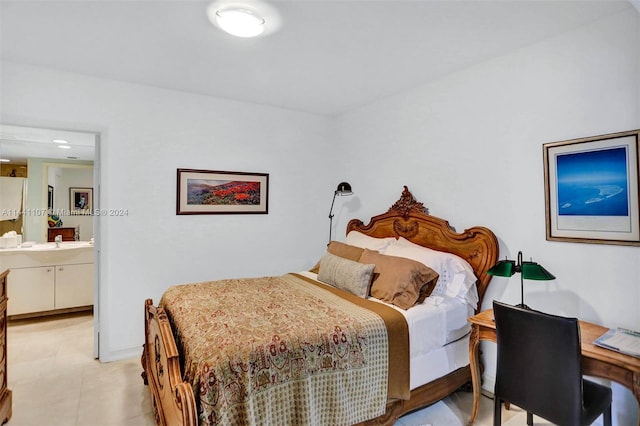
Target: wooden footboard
column 173, row 401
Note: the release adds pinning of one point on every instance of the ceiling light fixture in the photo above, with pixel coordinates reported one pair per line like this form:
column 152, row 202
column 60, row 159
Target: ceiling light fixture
column 244, row 19
column 240, row 23
column 64, row 147
column 59, row 141
column 4, row 160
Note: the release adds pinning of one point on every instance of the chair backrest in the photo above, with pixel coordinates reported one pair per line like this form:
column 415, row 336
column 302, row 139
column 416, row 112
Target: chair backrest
column 538, row 362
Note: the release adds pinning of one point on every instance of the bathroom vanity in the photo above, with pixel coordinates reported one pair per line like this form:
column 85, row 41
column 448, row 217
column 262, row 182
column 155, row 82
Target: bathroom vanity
column 49, row 278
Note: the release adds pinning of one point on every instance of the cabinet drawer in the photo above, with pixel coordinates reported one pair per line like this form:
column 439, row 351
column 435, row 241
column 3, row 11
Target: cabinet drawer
column 3, row 362
column 3, row 288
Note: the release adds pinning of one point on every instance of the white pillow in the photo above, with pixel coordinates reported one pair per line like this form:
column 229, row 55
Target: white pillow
column 456, row 279
column 358, row 239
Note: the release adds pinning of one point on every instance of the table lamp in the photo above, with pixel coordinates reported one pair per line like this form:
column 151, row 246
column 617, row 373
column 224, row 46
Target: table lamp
column 528, row 270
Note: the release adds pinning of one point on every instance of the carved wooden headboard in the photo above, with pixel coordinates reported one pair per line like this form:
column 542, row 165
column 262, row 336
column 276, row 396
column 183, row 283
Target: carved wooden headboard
column 409, row 218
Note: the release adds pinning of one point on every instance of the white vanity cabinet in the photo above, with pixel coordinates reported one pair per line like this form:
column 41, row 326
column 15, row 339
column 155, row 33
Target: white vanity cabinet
column 74, row 285
column 50, row 281
column 31, row 290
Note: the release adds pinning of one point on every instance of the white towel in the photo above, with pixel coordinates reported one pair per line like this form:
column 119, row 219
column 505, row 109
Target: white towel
column 11, row 195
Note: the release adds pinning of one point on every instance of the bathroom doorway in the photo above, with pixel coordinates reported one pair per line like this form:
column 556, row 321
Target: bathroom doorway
column 55, row 162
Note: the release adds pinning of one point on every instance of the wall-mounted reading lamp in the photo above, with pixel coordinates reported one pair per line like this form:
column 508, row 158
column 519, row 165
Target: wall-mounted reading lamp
column 343, row 189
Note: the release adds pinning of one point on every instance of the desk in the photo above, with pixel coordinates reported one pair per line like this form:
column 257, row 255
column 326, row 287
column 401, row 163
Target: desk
column 596, row 361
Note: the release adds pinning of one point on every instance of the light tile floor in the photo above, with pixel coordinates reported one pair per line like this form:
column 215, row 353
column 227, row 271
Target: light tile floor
column 56, row 381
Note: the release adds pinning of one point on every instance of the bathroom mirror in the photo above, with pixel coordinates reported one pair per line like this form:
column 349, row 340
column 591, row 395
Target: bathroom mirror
column 48, row 162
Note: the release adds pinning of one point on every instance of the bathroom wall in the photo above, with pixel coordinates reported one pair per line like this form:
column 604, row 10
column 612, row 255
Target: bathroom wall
column 12, row 191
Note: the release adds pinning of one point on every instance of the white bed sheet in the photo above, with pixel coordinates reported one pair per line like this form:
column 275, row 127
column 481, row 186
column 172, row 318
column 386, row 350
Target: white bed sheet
column 439, row 362
column 438, row 336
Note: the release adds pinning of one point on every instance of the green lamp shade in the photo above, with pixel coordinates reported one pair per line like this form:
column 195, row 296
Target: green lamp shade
column 528, row 270
column 533, row 271
column 504, row 268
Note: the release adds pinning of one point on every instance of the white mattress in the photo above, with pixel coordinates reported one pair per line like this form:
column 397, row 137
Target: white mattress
column 439, row 362
column 438, row 336
column 436, row 343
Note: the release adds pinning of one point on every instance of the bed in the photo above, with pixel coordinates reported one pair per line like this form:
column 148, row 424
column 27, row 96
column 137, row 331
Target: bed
column 420, row 361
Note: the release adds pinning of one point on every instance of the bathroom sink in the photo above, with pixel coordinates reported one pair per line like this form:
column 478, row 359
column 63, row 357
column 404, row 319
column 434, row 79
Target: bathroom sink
column 75, row 244
column 62, row 246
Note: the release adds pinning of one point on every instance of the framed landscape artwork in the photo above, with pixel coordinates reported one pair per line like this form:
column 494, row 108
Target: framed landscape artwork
column 591, row 189
column 219, row 192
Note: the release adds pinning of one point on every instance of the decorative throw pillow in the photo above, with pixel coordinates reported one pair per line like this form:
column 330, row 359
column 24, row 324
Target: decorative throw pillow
column 457, row 278
column 400, row 281
column 343, row 250
column 346, row 274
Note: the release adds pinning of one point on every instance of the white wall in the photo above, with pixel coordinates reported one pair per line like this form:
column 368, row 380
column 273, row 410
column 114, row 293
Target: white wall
column 470, row 147
column 146, row 134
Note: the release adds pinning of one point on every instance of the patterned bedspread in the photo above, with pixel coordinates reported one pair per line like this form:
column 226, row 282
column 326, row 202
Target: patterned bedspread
column 284, row 350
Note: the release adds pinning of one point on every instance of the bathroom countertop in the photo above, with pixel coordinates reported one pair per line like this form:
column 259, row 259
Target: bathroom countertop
column 70, row 245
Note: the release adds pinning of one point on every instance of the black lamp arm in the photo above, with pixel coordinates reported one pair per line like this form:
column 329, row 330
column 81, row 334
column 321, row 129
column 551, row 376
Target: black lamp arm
column 343, row 189
column 332, row 203
column 331, row 214
column 518, row 267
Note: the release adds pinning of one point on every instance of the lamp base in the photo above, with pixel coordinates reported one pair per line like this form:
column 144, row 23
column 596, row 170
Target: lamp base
column 523, row 306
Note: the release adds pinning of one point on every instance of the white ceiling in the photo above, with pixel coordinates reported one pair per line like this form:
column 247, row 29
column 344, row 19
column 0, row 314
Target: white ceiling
column 17, row 143
column 327, row 58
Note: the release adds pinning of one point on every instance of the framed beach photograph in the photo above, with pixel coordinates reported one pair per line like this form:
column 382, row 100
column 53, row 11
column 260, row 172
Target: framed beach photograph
column 81, row 200
column 591, row 189
column 219, row 192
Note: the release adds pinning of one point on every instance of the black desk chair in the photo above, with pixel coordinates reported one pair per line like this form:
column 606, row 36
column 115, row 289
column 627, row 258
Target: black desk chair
column 539, row 369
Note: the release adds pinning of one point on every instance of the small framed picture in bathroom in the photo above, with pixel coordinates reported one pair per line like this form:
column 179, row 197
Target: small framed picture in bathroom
column 81, row 200
column 216, row 192
column 50, row 198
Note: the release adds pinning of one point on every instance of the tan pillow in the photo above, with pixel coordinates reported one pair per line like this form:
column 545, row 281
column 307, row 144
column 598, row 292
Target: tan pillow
column 400, row 281
column 345, row 274
column 343, row 250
